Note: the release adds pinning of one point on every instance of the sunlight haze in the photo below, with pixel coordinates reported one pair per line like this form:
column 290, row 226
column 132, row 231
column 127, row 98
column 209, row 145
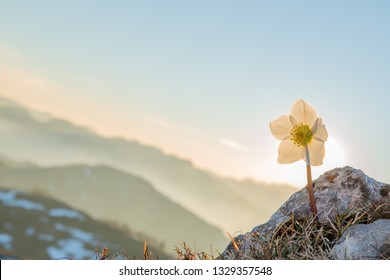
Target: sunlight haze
column 203, row 79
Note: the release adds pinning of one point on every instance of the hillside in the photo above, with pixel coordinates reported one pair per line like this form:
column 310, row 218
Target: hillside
column 36, row 227
column 108, row 194
column 29, row 135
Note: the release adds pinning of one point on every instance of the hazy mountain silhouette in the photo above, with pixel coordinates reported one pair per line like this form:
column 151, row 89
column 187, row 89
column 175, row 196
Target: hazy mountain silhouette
column 229, row 204
column 109, row 194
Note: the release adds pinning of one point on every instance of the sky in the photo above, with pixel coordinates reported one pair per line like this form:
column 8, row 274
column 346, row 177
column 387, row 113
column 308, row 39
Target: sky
column 203, row 79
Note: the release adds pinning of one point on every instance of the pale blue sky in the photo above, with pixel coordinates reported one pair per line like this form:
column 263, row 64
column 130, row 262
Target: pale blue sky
column 202, row 79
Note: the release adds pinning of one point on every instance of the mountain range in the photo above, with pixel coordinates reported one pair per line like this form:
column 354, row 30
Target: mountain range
column 112, row 195
column 37, row 227
column 109, row 177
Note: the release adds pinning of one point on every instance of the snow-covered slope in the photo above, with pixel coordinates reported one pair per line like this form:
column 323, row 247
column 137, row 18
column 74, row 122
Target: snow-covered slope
column 37, row 227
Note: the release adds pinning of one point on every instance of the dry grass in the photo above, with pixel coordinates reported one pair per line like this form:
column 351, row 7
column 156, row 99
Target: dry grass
column 307, row 239
column 185, row 252
column 295, row 239
column 104, row 254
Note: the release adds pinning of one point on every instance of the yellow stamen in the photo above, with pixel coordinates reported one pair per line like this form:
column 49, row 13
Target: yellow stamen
column 301, row 134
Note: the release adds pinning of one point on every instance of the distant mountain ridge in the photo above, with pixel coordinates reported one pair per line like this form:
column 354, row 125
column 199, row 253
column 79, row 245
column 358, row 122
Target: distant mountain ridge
column 28, row 135
column 36, row 227
column 109, row 194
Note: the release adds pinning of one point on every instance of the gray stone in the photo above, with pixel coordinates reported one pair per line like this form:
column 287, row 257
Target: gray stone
column 336, row 192
column 363, row 241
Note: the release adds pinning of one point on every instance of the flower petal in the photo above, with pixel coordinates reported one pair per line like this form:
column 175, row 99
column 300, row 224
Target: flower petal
column 303, row 112
column 281, row 127
column 316, row 152
column 293, row 121
column 319, row 131
column 288, row 152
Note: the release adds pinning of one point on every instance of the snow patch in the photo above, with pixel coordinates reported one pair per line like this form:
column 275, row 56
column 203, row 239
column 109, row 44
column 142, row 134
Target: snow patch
column 59, row 227
column 69, row 248
column 6, row 241
column 8, row 226
column 30, row 231
column 8, row 198
column 84, row 236
column 67, row 213
column 46, row 237
column 44, row 219
column 78, row 234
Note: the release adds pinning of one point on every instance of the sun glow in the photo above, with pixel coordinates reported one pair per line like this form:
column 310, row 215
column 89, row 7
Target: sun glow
column 334, row 157
column 334, row 154
column 294, row 174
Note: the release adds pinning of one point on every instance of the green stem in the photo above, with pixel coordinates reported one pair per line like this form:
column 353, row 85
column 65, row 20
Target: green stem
column 310, row 183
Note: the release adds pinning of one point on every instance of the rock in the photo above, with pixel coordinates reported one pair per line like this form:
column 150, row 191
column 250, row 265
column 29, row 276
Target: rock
column 337, row 192
column 363, row 241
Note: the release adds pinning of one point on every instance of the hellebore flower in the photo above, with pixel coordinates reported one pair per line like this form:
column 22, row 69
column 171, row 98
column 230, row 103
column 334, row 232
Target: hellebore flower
column 302, row 136
column 300, row 131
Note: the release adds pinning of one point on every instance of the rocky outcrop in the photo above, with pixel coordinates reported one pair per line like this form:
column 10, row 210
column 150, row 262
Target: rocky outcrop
column 362, row 241
column 337, row 192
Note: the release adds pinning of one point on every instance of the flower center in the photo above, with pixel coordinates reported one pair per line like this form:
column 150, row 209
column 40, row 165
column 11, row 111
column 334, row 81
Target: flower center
column 301, row 134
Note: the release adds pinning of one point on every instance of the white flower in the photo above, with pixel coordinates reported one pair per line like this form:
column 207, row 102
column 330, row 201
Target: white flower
column 302, row 133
